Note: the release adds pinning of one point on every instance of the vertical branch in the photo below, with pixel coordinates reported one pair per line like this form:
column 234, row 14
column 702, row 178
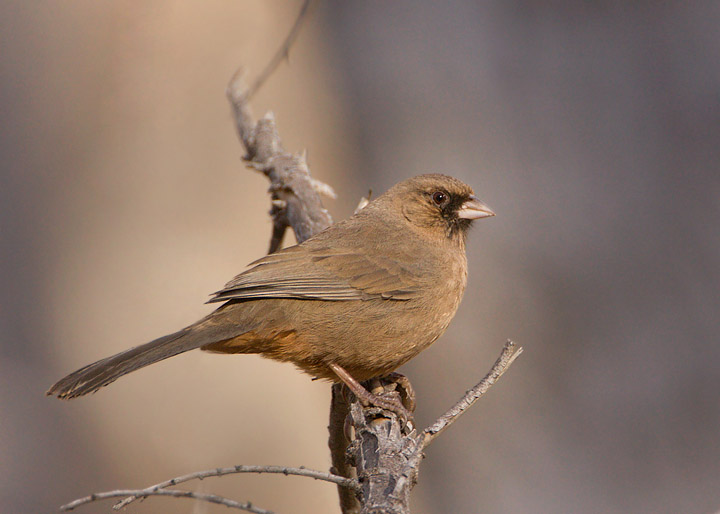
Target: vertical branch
column 339, row 431
column 379, row 452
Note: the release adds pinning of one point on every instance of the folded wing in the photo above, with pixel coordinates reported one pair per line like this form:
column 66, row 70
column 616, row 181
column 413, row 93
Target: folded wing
column 322, row 273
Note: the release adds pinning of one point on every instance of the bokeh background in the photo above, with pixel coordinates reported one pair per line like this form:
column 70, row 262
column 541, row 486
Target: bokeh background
column 592, row 128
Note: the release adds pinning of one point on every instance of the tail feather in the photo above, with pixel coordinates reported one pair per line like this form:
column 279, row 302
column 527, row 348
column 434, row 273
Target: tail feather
column 103, row 372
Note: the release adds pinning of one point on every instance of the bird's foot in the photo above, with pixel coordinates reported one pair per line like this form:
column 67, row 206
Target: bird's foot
column 398, row 382
column 395, row 392
column 386, row 399
column 385, row 393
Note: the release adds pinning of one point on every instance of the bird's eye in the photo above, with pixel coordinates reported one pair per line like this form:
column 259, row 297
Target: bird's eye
column 439, row 197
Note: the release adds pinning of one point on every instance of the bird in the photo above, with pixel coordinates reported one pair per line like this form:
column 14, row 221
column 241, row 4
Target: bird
column 351, row 303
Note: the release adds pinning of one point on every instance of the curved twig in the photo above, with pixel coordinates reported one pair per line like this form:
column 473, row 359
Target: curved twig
column 283, row 53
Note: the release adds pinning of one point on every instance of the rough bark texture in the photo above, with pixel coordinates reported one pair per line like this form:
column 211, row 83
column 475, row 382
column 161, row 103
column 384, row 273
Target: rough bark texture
column 339, row 429
column 295, row 195
column 375, row 446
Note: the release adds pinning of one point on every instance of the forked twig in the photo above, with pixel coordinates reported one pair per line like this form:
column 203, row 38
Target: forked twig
column 143, row 493
column 161, row 488
column 218, row 472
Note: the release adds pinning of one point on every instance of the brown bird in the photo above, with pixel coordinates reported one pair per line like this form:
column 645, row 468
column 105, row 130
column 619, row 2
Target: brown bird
column 351, row 303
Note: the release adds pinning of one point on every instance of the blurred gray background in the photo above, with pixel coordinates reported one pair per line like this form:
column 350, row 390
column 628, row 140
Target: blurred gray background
column 591, row 128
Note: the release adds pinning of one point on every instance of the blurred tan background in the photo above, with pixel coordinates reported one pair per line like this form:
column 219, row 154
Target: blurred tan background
column 591, row 128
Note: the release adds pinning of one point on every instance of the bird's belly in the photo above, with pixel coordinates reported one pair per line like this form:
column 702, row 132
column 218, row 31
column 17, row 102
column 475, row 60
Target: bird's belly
column 373, row 338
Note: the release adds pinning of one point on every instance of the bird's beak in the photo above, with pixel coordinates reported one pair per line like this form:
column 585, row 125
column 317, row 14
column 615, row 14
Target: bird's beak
column 473, row 209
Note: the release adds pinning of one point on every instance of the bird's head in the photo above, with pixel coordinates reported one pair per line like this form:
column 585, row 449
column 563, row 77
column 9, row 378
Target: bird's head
column 439, row 204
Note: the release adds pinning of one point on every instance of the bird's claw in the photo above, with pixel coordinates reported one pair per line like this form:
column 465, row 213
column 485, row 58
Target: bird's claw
column 385, row 394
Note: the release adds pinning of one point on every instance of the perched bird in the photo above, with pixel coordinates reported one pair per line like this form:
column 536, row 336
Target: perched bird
column 351, row 303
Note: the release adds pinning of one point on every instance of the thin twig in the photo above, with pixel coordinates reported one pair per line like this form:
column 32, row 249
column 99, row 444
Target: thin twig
column 144, row 493
column 218, row 472
column 282, row 53
column 510, row 352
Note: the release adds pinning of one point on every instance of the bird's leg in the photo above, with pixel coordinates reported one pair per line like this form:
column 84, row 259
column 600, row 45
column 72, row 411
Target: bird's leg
column 368, row 398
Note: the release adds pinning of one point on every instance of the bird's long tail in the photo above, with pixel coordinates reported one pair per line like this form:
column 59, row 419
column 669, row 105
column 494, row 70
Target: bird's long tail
column 103, row 372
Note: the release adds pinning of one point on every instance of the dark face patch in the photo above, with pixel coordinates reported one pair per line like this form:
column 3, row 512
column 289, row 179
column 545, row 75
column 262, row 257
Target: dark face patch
column 448, row 203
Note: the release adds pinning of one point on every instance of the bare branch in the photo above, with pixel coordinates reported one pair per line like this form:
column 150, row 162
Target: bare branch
column 295, row 195
column 144, row 493
column 510, row 352
column 218, row 472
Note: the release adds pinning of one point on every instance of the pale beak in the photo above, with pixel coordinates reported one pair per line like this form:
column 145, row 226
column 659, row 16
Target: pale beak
column 473, row 209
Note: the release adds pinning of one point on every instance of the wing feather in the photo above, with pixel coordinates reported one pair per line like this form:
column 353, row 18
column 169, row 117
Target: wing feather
column 321, row 273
